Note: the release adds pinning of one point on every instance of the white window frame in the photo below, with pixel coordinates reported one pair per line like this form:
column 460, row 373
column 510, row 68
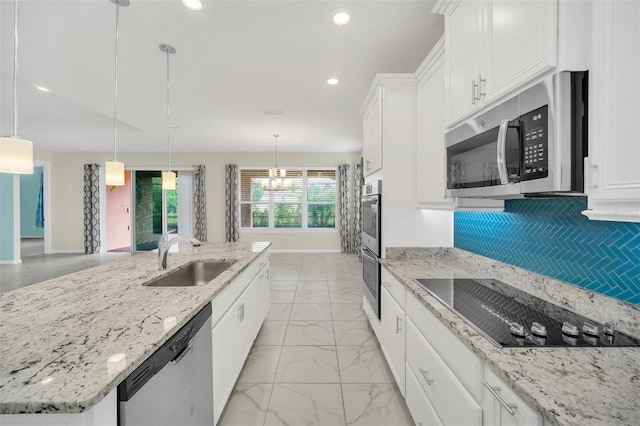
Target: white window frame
column 305, row 210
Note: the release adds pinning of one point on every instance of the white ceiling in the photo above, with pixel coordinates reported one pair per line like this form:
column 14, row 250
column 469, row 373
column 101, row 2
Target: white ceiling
column 234, row 60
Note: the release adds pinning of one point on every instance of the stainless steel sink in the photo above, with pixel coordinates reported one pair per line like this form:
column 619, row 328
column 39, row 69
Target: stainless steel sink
column 192, row 274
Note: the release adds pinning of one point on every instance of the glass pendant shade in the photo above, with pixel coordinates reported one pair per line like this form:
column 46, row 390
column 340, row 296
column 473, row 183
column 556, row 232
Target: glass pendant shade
column 168, row 181
column 16, row 155
column 114, row 171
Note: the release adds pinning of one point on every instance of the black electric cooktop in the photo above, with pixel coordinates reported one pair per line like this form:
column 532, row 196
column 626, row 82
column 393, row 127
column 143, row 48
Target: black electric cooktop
column 509, row 317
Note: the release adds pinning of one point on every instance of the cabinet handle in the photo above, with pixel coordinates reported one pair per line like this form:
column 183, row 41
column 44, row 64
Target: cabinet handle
column 241, row 312
column 480, row 81
column 425, row 374
column 473, row 92
column 592, row 185
column 398, row 321
column 495, row 391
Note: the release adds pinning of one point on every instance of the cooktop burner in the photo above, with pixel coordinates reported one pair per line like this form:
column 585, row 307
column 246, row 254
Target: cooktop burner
column 510, row 317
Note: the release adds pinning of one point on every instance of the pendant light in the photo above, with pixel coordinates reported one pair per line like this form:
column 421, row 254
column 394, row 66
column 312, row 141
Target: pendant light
column 115, row 169
column 16, row 154
column 168, row 177
column 276, row 181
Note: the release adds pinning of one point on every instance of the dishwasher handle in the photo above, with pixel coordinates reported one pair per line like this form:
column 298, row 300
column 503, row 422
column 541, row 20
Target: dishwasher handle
column 182, row 353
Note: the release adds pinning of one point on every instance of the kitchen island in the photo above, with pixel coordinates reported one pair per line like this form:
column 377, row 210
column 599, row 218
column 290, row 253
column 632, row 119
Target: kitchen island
column 568, row 386
column 56, row 337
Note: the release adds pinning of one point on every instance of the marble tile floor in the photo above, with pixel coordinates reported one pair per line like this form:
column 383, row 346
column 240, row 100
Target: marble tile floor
column 315, row 360
column 42, row 267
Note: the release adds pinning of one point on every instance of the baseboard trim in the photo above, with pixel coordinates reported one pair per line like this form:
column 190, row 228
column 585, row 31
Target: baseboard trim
column 10, row 262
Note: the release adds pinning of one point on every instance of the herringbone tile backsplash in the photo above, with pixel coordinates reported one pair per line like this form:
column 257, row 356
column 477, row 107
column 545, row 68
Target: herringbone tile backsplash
column 551, row 237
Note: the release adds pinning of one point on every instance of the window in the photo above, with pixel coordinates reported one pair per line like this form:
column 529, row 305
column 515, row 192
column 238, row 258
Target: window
column 309, row 203
column 321, row 198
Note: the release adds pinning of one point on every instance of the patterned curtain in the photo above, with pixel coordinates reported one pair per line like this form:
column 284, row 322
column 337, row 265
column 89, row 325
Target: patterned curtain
column 232, row 203
column 345, row 236
column 199, row 204
column 356, row 229
column 91, row 208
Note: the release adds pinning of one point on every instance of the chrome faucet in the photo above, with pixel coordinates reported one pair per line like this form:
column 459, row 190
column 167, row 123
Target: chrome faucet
column 163, row 250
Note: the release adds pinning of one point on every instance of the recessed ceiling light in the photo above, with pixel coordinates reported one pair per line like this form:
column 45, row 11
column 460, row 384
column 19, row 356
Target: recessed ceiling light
column 192, row 4
column 42, row 89
column 333, row 81
column 341, row 17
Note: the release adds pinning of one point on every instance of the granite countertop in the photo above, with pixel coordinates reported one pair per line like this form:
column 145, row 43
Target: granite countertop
column 56, row 336
column 569, row 386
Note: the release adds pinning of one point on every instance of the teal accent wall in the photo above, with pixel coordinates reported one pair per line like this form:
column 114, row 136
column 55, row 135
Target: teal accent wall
column 553, row 238
column 29, row 191
column 6, row 217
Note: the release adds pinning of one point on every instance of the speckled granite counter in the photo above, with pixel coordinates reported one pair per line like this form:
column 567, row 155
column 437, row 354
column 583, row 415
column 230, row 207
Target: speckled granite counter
column 569, row 386
column 56, row 336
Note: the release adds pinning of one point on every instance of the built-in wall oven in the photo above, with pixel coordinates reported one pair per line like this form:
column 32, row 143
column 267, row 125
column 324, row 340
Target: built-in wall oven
column 371, row 243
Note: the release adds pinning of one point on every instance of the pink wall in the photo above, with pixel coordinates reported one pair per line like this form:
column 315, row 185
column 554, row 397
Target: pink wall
column 119, row 215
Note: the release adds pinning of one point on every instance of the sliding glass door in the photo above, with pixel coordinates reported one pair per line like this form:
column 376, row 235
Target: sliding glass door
column 155, row 210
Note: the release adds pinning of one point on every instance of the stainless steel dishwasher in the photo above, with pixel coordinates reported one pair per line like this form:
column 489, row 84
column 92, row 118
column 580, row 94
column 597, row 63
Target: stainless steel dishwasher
column 173, row 386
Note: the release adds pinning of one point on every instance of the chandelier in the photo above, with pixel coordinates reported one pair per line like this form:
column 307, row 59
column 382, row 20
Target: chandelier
column 277, row 177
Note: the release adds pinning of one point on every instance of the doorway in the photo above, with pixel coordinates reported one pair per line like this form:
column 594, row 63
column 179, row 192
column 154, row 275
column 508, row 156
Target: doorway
column 140, row 212
column 35, row 202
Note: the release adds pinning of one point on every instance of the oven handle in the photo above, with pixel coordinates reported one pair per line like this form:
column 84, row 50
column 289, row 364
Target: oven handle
column 502, row 152
column 369, row 254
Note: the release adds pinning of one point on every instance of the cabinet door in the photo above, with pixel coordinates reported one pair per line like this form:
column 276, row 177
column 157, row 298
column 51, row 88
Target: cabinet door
column 439, row 383
column 502, row 407
column 521, row 43
column 463, row 27
column 223, row 358
column 419, row 405
column 372, row 136
column 431, row 149
column 393, row 340
column 260, row 298
column 244, row 328
column 614, row 87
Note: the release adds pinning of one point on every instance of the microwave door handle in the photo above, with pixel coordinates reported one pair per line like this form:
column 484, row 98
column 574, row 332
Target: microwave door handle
column 502, row 152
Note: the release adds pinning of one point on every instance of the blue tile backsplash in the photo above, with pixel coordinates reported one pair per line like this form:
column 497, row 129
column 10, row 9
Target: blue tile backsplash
column 551, row 237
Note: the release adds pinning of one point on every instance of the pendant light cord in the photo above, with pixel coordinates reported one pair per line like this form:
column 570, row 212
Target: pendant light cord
column 168, row 118
column 115, row 90
column 15, row 68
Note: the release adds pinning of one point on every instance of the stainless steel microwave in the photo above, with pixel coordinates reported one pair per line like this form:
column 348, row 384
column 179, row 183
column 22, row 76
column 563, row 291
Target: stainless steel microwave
column 531, row 145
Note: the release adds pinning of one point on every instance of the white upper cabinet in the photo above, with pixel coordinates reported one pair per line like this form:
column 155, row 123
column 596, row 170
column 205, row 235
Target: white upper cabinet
column 613, row 178
column 463, row 32
column 521, row 40
column 431, row 155
column 493, row 48
column 372, row 135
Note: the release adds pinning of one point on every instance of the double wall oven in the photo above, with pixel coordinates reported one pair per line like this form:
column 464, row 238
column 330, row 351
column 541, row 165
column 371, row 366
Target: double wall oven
column 371, row 244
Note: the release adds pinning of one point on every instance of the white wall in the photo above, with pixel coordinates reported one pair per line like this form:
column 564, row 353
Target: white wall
column 67, row 192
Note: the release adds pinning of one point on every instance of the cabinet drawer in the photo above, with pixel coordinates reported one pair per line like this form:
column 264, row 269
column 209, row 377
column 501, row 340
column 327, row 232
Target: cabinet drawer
column 419, row 405
column 464, row 363
column 452, row 401
column 501, row 405
column 394, row 287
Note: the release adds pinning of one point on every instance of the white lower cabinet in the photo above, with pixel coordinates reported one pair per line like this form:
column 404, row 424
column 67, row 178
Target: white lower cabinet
column 223, row 358
column 104, row 413
column 393, row 337
column 502, row 407
column 418, row 403
column 453, row 403
column 261, row 299
column 233, row 334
